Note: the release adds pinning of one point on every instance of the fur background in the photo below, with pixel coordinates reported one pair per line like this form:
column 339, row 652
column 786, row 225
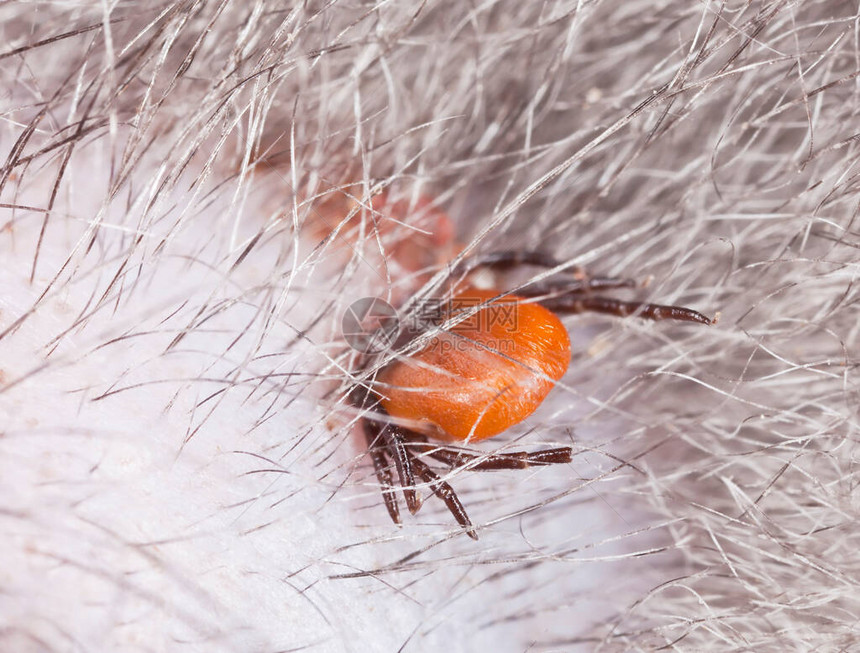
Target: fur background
column 178, row 470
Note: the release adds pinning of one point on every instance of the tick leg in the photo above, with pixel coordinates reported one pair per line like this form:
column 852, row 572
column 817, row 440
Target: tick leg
column 508, row 259
column 574, row 287
column 488, row 462
column 581, row 282
column 386, row 440
column 376, row 450
column 404, row 462
column 445, row 492
column 583, row 304
column 508, row 460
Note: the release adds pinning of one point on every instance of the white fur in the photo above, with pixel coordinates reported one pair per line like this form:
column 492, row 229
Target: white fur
column 207, row 492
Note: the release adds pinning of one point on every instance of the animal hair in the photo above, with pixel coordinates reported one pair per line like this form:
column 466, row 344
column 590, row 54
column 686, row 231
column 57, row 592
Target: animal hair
column 187, row 209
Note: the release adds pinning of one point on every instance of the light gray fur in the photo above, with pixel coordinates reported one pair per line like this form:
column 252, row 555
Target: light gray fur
column 176, row 471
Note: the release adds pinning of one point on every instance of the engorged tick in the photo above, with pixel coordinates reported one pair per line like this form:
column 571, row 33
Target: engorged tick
column 487, row 371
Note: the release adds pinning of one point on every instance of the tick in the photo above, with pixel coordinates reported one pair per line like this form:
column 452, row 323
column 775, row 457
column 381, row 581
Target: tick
column 491, row 361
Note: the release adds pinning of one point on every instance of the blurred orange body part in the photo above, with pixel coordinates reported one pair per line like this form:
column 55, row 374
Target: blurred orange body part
column 415, row 233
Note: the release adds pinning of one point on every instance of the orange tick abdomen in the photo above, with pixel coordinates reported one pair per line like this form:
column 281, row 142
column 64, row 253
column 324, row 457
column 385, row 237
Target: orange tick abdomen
column 487, row 373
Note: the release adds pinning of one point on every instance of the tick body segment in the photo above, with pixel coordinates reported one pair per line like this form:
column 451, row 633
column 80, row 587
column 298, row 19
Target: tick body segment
column 487, row 373
column 493, row 361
